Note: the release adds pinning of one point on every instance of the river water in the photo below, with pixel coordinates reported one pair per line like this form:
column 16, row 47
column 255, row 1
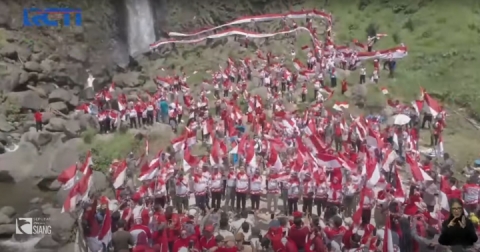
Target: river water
column 19, row 196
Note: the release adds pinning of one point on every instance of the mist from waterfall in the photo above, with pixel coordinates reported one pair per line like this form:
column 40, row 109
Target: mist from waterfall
column 140, row 30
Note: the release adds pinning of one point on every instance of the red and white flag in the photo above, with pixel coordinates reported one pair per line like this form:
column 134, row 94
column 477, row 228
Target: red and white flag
column 68, row 177
column 119, row 175
column 88, row 162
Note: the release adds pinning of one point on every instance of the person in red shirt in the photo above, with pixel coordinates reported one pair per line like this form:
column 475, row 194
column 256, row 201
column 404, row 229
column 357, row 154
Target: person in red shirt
column 38, row 121
column 172, row 225
column 185, row 241
column 207, row 241
column 298, row 232
column 344, row 86
column 336, row 230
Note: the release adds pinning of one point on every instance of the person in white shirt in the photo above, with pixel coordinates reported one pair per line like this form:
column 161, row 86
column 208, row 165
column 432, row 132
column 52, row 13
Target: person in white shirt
column 363, row 74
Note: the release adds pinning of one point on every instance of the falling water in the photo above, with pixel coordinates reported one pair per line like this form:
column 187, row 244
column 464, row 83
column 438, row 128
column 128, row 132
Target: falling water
column 141, row 32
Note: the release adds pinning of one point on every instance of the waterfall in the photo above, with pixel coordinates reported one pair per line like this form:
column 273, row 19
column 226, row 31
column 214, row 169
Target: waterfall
column 140, row 26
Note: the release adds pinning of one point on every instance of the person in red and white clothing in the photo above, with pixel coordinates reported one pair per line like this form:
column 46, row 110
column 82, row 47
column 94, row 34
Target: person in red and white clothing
column 242, row 188
column 293, row 193
column 160, row 191
column 256, row 188
column 140, row 108
column 150, row 112
column 308, row 186
column 368, row 204
column 321, row 192
column 273, row 190
column 335, row 196
column 172, row 116
column 132, row 114
column 216, row 187
column 200, row 188
column 182, row 192
column 230, row 188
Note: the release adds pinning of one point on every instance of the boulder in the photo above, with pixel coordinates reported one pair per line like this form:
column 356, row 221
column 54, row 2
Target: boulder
column 66, row 155
column 5, row 126
column 18, row 165
column 59, row 95
column 8, row 211
column 38, row 139
column 28, row 100
column 78, row 53
column 32, row 66
column 59, row 106
column 74, row 101
column 56, row 125
column 47, row 242
column 16, row 79
column 4, row 219
column 62, row 225
column 9, row 51
column 129, row 79
column 7, row 230
column 72, row 129
column 87, row 121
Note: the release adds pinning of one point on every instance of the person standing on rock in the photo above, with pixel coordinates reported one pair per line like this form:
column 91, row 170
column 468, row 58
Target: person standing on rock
column 273, row 191
column 139, row 107
column 38, row 120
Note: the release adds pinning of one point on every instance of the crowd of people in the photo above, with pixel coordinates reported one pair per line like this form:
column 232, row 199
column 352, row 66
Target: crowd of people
column 340, row 178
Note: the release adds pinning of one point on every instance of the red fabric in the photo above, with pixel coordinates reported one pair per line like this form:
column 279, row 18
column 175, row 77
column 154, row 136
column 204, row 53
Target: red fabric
column 332, row 232
column 338, row 130
column 298, row 235
column 148, row 233
column 174, row 232
column 179, row 243
column 207, row 243
column 347, row 237
column 224, row 249
column 38, row 117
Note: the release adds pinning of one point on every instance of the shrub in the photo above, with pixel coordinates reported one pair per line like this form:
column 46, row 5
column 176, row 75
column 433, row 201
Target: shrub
column 88, row 135
column 104, row 151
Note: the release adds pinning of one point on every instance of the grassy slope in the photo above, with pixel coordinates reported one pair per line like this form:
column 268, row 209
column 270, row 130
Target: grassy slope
column 443, row 54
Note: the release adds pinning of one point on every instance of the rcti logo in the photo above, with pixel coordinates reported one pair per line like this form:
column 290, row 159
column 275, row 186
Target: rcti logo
column 32, row 226
column 49, row 17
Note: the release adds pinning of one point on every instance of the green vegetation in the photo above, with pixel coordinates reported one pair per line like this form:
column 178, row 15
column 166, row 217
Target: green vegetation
column 106, row 148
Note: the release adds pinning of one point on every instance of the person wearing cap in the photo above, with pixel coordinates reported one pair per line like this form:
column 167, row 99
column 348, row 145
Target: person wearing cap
column 207, row 241
column 230, row 188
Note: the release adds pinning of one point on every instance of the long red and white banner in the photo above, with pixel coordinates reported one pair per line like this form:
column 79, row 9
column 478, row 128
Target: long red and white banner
column 261, row 18
column 395, row 53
